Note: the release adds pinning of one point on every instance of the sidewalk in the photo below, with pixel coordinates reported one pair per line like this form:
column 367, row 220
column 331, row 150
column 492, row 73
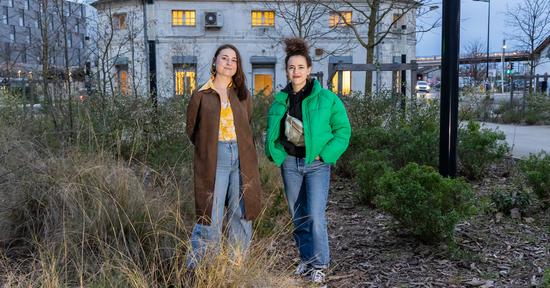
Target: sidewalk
column 524, row 140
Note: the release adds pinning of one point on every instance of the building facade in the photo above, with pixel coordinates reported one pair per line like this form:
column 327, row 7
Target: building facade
column 543, row 57
column 174, row 41
column 27, row 27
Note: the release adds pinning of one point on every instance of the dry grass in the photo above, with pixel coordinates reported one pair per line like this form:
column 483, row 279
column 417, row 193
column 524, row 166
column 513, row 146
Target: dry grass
column 89, row 220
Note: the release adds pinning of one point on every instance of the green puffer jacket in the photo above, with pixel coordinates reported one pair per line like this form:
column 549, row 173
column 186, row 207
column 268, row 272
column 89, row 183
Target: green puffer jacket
column 326, row 126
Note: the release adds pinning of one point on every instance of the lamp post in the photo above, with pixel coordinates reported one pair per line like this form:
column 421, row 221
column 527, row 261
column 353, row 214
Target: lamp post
column 488, row 33
column 502, row 62
column 448, row 129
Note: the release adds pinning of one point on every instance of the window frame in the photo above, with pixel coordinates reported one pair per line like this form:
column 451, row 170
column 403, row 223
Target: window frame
column 118, row 17
column 185, row 21
column 122, row 87
column 5, row 15
column 184, row 68
column 12, row 34
column 21, row 20
column 264, row 21
column 338, row 23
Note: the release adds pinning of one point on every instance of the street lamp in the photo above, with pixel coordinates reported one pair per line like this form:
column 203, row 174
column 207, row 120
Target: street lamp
column 488, row 33
column 502, row 62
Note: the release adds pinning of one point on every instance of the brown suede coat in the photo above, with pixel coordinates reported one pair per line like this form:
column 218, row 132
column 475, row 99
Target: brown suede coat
column 203, row 117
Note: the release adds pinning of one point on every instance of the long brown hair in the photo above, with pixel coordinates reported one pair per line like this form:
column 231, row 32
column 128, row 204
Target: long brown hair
column 239, row 79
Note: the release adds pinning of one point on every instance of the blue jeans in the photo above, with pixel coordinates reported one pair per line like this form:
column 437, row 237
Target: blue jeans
column 206, row 239
column 306, row 189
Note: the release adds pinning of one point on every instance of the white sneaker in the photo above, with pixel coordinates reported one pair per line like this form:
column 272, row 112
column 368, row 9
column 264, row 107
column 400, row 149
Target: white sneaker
column 302, row 269
column 317, row 276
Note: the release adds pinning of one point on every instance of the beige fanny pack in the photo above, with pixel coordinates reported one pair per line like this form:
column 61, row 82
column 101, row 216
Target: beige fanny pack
column 294, row 131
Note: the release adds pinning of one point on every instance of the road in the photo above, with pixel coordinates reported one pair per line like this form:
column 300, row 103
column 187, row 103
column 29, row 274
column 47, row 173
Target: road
column 524, row 140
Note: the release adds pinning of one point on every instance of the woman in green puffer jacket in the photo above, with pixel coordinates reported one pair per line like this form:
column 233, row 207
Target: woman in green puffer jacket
column 308, row 130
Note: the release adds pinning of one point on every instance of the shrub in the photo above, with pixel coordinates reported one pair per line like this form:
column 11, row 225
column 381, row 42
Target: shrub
column 369, row 166
column 537, row 171
column 369, row 110
column 537, row 110
column 546, row 279
column 424, row 202
column 409, row 137
column 478, row 148
column 506, row 199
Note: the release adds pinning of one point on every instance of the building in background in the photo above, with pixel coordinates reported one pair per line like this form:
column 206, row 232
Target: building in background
column 34, row 32
column 168, row 45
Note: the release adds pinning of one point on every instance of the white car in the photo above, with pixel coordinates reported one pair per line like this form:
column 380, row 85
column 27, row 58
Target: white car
column 422, row 86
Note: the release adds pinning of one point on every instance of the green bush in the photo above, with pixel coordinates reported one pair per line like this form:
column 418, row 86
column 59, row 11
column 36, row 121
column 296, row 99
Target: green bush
column 537, row 171
column 538, row 109
column 506, row 199
column 424, row 202
column 409, row 137
column 478, row 148
column 369, row 166
column 546, row 279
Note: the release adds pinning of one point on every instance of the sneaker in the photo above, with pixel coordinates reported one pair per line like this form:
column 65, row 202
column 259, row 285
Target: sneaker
column 317, row 276
column 302, row 269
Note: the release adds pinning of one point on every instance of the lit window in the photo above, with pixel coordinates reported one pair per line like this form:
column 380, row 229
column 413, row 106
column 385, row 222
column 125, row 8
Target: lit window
column 263, row 83
column 27, row 4
column 10, row 3
column 183, row 18
column 185, row 79
column 263, row 18
column 346, row 82
column 69, row 41
column 120, row 21
column 122, row 79
column 339, row 19
column 28, row 35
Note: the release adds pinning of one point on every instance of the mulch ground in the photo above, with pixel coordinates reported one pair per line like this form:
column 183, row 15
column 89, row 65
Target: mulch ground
column 369, row 249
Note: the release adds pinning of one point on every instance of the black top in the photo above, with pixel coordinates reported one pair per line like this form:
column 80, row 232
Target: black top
column 295, row 100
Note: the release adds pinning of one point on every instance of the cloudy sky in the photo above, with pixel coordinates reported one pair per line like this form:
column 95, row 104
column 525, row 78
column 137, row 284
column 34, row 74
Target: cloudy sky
column 473, row 27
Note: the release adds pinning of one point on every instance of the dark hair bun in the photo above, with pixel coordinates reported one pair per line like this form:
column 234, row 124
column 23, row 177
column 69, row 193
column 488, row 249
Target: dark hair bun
column 296, row 46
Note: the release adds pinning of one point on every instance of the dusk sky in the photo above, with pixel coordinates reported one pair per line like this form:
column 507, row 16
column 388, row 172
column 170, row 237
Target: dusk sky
column 473, row 27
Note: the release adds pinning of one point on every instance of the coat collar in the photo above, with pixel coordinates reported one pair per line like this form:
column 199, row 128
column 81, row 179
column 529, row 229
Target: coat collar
column 210, row 85
column 282, row 96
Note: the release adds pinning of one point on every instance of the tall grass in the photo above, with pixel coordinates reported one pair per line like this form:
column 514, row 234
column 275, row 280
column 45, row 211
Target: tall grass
column 110, row 204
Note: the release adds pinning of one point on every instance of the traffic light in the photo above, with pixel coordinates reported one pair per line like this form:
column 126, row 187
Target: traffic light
column 510, row 68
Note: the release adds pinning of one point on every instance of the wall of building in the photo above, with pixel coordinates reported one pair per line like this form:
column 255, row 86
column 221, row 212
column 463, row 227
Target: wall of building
column 28, row 21
column 198, row 42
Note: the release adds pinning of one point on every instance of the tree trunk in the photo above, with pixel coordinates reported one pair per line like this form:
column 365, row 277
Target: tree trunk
column 371, row 38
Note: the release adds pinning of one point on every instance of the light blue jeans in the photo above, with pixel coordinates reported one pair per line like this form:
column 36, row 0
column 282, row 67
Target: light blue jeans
column 306, row 189
column 206, row 239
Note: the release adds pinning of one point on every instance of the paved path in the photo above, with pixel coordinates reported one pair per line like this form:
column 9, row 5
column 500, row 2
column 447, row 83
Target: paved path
column 524, row 139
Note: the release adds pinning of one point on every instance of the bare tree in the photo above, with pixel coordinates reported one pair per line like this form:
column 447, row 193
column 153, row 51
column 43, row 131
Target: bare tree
column 305, row 19
column 117, row 35
column 381, row 18
column 529, row 26
column 475, row 49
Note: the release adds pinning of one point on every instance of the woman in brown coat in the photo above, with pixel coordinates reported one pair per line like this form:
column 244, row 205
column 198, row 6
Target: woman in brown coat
column 225, row 161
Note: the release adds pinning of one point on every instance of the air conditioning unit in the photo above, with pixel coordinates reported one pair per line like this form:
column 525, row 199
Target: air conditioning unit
column 213, row 19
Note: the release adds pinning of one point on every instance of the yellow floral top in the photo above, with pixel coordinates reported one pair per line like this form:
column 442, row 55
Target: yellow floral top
column 227, row 126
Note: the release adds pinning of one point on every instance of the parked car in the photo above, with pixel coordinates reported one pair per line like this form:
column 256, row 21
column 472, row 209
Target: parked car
column 422, row 86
